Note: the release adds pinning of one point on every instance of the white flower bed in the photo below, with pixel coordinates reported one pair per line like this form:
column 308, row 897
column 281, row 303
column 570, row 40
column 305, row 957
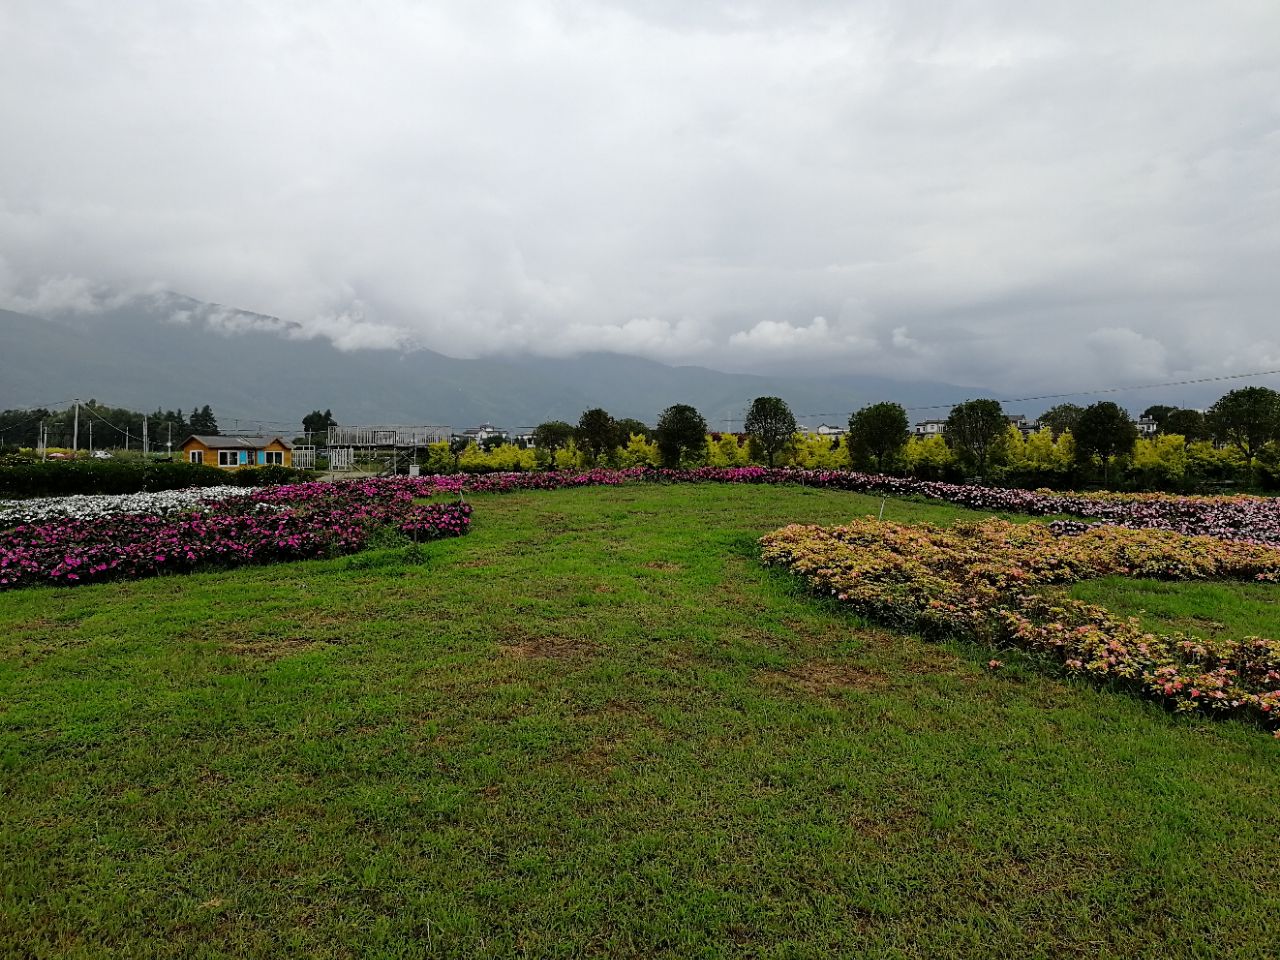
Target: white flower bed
column 92, row 506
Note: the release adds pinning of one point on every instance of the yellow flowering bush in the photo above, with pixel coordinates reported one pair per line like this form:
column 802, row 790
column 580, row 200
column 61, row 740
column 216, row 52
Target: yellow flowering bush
column 983, row 581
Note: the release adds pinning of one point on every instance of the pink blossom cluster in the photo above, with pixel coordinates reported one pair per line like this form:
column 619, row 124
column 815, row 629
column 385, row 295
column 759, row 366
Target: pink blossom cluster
column 296, row 522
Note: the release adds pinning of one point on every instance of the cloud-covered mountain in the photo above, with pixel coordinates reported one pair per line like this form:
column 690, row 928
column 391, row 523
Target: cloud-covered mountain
column 166, row 350
column 1030, row 197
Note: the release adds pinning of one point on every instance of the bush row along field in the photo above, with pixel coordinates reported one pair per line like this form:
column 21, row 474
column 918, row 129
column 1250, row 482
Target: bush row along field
column 124, row 476
column 1167, row 462
column 1164, row 463
column 292, row 521
column 978, row 581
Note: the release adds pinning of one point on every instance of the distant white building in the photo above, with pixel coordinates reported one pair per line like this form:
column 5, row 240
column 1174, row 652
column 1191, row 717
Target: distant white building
column 1025, row 426
column 483, row 432
column 1147, row 426
column 826, row 430
column 931, row 428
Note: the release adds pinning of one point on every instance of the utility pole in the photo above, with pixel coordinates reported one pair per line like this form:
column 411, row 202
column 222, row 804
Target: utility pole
column 146, row 443
column 91, row 437
column 169, row 442
column 75, row 432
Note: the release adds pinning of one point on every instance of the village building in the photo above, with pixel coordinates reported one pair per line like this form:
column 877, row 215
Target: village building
column 1025, row 427
column 931, row 428
column 483, row 432
column 235, row 451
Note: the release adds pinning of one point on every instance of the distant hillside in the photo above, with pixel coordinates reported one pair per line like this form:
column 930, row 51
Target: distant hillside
column 137, row 356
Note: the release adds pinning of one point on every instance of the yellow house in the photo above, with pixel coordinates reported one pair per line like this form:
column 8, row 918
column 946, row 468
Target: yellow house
column 234, row 452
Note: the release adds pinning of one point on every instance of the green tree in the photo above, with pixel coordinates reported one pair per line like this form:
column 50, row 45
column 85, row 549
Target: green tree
column 553, row 435
column 203, row 421
column 878, row 432
column 629, row 427
column 1105, row 430
column 457, row 447
column 974, row 431
column 682, row 430
column 1247, row 418
column 1188, row 424
column 771, row 425
column 596, row 433
column 1062, row 418
column 318, row 423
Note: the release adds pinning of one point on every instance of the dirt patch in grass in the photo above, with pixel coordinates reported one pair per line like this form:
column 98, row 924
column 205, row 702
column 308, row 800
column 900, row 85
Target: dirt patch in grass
column 825, row 678
column 883, row 824
column 662, row 565
column 273, row 648
column 524, row 646
column 601, row 756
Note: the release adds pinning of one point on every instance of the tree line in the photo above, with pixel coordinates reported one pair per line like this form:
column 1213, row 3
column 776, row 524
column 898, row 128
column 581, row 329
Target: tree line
column 1090, row 442
column 105, row 426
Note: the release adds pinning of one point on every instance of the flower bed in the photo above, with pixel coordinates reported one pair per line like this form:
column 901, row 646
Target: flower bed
column 296, row 522
column 95, row 506
column 1231, row 517
column 109, row 521
column 978, row 581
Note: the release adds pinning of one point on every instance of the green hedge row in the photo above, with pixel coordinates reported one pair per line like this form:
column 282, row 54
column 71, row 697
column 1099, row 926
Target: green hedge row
column 61, row 478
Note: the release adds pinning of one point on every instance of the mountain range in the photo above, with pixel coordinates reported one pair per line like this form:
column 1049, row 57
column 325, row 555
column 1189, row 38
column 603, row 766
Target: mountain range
column 171, row 351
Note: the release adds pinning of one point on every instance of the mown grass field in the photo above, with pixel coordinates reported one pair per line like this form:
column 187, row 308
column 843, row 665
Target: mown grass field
column 597, row 727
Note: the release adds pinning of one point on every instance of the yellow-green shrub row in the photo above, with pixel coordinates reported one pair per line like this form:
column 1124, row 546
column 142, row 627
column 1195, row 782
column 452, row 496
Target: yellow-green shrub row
column 979, row 581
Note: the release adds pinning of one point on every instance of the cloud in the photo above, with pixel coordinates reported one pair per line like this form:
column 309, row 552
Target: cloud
column 976, row 194
column 46, row 295
column 817, row 338
column 1126, row 356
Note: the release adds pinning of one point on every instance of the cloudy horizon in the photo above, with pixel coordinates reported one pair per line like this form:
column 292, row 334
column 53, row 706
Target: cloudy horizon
column 982, row 193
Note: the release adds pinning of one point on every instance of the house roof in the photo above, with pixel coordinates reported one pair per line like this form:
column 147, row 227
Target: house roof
column 237, row 442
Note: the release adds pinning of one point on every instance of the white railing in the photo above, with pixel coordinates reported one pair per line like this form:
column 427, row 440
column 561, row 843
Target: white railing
column 386, row 436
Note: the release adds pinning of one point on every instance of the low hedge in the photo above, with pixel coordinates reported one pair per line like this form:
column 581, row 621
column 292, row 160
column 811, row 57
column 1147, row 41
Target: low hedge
column 59, row 478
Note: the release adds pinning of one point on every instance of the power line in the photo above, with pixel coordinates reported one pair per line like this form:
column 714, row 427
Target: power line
column 1102, row 390
column 125, row 433
column 22, row 423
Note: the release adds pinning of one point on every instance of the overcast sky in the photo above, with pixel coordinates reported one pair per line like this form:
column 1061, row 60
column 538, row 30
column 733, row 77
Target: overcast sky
column 1007, row 194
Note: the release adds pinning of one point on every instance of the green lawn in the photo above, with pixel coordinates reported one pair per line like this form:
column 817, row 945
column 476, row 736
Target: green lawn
column 596, row 727
column 1203, row 609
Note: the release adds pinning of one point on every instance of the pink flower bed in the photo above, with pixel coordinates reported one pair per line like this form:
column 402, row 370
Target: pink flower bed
column 296, row 522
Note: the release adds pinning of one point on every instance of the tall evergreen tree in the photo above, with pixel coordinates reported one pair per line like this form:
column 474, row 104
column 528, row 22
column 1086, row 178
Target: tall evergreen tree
column 597, row 433
column 682, row 431
column 878, row 432
column 771, row 424
column 203, row 421
column 974, row 430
